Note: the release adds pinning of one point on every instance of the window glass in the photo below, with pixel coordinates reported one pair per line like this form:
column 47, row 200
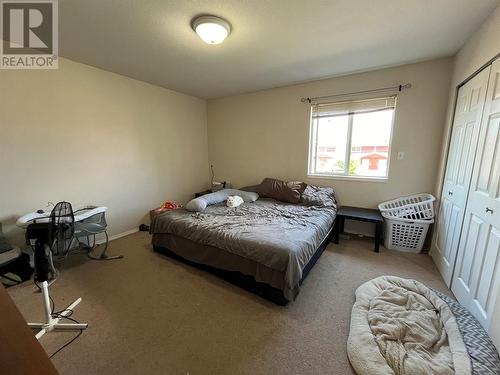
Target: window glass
column 331, row 145
column 371, row 133
column 351, row 138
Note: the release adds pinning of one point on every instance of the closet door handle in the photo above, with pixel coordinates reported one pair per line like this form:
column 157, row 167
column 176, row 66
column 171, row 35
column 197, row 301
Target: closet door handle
column 450, row 193
column 489, row 210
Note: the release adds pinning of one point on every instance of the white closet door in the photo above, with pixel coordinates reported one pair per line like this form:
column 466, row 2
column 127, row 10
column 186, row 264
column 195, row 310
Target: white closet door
column 477, row 274
column 465, row 133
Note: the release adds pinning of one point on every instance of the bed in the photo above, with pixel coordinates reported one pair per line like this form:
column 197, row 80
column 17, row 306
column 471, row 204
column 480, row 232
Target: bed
column 267, row 247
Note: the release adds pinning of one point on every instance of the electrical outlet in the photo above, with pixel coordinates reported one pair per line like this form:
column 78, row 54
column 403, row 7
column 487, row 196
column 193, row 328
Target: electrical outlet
column 401, row 155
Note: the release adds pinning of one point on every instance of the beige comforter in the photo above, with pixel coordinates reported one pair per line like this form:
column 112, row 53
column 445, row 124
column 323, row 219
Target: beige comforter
column 400, row 326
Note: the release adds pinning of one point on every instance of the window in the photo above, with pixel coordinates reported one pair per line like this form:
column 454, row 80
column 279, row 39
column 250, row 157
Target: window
column 351, row 138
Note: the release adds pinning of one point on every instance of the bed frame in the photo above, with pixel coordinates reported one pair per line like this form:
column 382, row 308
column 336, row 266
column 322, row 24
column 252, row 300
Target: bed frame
column 248, row 282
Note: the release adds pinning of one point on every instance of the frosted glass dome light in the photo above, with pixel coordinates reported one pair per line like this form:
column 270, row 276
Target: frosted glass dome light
column 211, row 29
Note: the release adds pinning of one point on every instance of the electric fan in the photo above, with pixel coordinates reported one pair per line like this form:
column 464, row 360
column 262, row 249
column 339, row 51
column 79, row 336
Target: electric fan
column 58, row 229
column 63, row 219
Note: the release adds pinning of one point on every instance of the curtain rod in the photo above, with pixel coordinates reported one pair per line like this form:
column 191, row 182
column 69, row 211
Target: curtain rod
column 399, row 88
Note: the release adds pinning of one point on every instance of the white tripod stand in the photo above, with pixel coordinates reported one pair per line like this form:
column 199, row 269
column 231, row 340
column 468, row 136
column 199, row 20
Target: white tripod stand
column 53, row 323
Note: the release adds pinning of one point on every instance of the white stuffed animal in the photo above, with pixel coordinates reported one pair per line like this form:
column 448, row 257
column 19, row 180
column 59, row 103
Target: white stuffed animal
column 234, row 201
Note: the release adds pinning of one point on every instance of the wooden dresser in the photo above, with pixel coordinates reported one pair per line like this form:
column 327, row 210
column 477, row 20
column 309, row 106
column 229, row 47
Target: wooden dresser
column 20, row 352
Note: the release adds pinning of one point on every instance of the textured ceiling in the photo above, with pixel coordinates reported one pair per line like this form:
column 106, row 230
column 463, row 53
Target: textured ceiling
column 273, row 42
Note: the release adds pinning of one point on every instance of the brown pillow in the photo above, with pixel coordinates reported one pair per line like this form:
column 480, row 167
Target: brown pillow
column 281, row 191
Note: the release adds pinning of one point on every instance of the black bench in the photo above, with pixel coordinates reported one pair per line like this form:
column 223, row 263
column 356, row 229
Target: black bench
column 368, row 215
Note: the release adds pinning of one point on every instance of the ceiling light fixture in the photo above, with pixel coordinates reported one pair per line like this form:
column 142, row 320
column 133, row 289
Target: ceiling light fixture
column 211, row 29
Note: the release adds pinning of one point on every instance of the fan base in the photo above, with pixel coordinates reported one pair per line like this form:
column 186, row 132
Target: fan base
column 53, row 323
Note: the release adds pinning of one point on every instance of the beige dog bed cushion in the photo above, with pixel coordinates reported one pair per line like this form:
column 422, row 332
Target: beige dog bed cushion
column 400, row 326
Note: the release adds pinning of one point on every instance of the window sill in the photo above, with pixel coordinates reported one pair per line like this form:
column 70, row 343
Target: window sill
column 349, row 178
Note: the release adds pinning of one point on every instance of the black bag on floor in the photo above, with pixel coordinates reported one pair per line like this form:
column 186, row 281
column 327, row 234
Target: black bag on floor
column 20, row 267
column 14, row 266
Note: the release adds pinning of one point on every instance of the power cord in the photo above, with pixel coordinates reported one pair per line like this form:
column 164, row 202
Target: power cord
column 70, row 341
column 58, row 314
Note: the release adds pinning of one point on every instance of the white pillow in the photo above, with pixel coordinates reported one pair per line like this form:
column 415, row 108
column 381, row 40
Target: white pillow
column 199, row 204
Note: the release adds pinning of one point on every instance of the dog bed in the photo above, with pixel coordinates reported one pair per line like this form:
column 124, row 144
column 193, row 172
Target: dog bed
column 400, row 326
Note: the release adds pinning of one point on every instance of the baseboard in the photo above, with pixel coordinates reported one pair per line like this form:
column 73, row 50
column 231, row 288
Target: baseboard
column 359, row 228
column 119, row 235
column 359, row 234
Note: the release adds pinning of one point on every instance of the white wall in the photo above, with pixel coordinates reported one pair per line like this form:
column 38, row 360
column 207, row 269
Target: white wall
column 265, row 133
column 88, row 136
column 481, row 47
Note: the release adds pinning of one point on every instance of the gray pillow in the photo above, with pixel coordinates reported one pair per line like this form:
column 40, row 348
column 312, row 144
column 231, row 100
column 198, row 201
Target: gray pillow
column 254, row 188
column 200, row 203
column 281, row 190
column 320, row 196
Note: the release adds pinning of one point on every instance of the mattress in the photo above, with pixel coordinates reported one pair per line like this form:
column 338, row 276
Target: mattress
column 269, row 240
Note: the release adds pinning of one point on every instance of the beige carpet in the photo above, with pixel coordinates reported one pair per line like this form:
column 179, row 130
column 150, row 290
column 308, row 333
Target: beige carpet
column 148, row 314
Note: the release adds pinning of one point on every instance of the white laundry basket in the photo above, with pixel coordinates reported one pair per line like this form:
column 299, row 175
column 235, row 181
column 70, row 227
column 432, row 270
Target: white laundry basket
column 416, row 207
column 405, row 234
